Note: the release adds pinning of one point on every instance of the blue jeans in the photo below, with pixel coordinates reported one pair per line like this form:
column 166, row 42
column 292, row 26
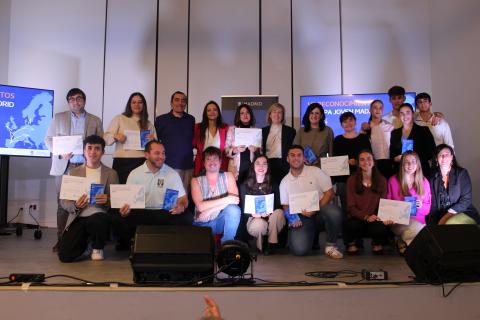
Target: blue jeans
column 226, row 222
column 300, row 240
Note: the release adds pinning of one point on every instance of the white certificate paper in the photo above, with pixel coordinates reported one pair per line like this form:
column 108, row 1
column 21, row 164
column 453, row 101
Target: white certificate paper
column 307, row 201
column 248, row 137
column 335, row 166
column 131, row 194
column 251, row 200
column 73, row 187
column 133, row 141
column 397, row 211
column 67, row 144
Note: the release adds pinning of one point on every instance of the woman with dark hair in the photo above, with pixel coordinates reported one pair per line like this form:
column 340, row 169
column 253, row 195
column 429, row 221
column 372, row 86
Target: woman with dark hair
column 276, row 139
column 409, row 184
column 241, row 156
column 421, row 137
column 265, row 227
column 315, row 135
column 451, row 191
column 211, row 132
column 134, row 118
column 365, row 187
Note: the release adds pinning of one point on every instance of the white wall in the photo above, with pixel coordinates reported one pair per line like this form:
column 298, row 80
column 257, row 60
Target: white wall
column 423, row 45
column 4, row 39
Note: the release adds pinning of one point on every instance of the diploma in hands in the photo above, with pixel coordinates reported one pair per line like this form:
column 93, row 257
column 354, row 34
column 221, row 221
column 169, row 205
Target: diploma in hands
column 248, row 137
column 67, row 144
column 261, row 204
column 73, row 187
column 133, row 141
column 308, row 201
column 131, row 194
column 397, row 211
column 335, row 166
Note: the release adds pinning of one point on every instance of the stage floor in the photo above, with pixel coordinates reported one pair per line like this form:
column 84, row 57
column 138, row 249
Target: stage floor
column 24, row 254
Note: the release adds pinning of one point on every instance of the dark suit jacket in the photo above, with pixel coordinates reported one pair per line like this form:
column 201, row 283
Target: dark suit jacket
column 108, row 176
column 423, row 145
column 288, row 135
column 459, row 192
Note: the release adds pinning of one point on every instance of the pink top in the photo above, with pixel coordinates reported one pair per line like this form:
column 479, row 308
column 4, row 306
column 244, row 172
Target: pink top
column 394, row 193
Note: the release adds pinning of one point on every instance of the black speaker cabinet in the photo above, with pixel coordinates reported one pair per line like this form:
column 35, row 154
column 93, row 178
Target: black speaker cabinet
column 445, row 253
column 163, row 254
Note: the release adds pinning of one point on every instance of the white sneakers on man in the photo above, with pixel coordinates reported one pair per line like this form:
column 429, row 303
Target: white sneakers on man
column 333, row 252
column 97, row 254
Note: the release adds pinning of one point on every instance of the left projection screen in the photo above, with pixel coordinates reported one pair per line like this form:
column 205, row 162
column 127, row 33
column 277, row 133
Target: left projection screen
column 25, row 114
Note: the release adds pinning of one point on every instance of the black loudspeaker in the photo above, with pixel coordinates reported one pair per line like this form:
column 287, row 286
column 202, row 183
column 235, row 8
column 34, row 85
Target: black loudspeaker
column 163, row 254
column 445, row 253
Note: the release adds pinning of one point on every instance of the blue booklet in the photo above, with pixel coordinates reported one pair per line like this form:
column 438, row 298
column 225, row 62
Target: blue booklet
column 96, row 188
column 407, row 145
column 170, row 199
column 291, row 218
column 260, row 204
column 143, row 137
column 413, row 202
column 309, row 154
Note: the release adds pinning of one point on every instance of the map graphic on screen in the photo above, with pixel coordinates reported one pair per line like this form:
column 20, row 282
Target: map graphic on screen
column 25, row 115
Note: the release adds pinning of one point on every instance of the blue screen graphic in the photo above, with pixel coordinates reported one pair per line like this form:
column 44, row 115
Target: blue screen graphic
column 359, row 104
column 25, row 115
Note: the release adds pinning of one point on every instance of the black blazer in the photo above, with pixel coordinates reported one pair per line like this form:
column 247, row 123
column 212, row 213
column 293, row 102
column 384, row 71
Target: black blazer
column 459, row 192
column 423, row 145
column 288, row 134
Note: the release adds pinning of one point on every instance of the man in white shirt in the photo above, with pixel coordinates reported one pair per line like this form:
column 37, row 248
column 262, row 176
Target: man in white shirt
column 425, row 117
column 396, row 95
column 303, row 225
column 157, row 177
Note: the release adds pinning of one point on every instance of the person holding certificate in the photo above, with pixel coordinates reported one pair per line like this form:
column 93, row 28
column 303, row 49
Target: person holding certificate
column 263, row 224
column 451, row 191
column 211, row 132
column 161, row 183
column 306, row 194
column 241, row 156
column 411, row 134
column 409, row 185
column 276, row 139
column 315, row 134
column 87, row 227
column 364, row 189
column 126, row 131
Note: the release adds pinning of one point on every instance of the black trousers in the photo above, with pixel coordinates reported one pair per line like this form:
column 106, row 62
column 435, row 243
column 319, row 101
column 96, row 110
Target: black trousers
column 81, row 231
column 356, row 229
column 124, row 227
column 124, row 166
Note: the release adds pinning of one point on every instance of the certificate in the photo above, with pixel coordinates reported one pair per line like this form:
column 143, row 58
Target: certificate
column 73, row 188
column 133, row 141
column 131, row 194
column 308, row 201
column 67, row 144
column 335, row 166
column 260, row 204
column 248, row 137
column 397, row 211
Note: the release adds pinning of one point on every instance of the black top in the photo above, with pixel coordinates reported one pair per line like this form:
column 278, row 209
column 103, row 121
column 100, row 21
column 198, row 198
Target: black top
column 423, row 145
column 279, row 167
column 457, row 196
column 349, row 147
column 275, row 190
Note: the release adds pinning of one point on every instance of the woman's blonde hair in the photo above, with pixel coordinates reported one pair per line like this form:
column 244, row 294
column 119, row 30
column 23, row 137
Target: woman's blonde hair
column 270, row 109
column 418, row 176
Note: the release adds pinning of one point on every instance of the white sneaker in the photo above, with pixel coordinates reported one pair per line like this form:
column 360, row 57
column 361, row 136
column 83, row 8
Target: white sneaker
column 333, row 252
column 97, row 254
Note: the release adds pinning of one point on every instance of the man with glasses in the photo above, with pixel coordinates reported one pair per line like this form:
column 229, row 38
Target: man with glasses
column 75, row 121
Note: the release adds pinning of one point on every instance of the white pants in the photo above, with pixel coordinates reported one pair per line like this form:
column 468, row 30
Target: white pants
column 407, row 233
column 259, row 227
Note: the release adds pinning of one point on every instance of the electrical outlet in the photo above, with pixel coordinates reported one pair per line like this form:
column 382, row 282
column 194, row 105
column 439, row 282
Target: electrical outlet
column 31, row 212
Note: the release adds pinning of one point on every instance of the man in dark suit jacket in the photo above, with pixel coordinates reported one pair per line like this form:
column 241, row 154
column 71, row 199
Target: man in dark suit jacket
column 88, row 220
column 75, row 121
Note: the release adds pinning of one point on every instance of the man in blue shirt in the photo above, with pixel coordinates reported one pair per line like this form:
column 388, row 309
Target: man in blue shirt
column 175, row 132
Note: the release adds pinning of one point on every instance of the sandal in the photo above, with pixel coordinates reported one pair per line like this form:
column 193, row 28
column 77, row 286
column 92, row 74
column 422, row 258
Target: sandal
column 352, row 249
column 377, row 249
column 401, row 247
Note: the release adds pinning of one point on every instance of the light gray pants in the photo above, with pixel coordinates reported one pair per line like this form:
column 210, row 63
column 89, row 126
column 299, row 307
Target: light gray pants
column 407, row 233
column 259, row 227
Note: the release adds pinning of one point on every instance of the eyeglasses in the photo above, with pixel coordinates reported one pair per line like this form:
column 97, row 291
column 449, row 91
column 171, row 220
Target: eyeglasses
column 77, row 99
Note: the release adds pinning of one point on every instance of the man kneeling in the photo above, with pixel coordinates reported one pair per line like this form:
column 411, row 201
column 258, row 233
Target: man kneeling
column 88, row 222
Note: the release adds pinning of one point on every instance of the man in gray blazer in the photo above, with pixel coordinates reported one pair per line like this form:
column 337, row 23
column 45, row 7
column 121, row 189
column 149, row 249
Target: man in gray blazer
column 88, row 221
column 76, row 121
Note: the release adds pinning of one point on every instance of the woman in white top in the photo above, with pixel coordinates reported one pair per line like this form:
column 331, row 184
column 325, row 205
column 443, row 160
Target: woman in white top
column 134, row 118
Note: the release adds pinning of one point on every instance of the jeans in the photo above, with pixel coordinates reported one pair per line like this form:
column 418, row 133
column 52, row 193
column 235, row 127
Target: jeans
column 300, row 239
column 225, row 223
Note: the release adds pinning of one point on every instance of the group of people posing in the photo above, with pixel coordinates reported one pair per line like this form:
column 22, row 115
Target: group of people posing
column 212, row 185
